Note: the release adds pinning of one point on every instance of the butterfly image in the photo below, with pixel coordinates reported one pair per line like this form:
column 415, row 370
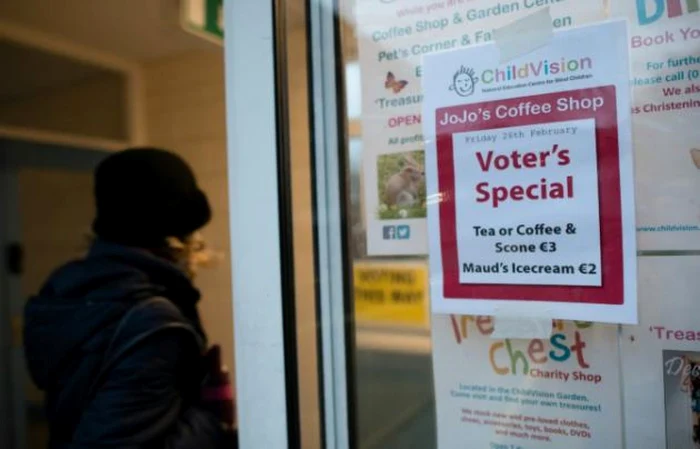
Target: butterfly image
column 394, row 84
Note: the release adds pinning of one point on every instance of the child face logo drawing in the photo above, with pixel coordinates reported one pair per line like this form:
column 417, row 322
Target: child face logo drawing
column 464, row 82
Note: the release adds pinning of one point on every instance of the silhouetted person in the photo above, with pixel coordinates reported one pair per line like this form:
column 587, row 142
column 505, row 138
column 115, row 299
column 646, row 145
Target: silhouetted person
column 115, row 340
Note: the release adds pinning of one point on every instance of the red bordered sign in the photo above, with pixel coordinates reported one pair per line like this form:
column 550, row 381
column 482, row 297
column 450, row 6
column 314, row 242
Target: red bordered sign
column 611, row 290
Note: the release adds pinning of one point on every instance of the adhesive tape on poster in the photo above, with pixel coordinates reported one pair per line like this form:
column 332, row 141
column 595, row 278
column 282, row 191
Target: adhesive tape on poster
column 525, row 35
column 521, row 327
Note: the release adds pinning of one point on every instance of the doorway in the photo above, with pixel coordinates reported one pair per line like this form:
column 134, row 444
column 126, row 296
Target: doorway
column 46, row 208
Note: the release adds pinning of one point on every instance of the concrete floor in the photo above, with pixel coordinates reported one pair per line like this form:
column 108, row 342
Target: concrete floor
column 395, row 401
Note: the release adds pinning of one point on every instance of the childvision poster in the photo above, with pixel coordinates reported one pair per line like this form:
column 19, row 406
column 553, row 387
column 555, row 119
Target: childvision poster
column 559, row 392
column 532, row 161
column 665, row 54
column 393, row 36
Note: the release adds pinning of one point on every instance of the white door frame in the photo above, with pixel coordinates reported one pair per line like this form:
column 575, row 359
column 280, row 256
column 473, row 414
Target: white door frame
column 251, row 125
column 255, row 202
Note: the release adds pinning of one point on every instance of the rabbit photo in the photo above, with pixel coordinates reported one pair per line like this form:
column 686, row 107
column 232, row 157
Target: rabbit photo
column 402, row 185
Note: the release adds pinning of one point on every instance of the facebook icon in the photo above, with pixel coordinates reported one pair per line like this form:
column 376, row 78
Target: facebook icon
column 389, row 232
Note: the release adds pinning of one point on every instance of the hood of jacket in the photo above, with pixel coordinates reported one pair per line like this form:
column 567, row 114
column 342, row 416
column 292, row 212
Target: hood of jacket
column 74, row 315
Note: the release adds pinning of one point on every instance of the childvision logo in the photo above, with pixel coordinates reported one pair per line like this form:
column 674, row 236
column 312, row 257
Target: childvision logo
column 539, row 69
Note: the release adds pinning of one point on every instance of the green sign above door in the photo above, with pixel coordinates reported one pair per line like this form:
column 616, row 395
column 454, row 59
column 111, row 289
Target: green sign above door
column 205, row 18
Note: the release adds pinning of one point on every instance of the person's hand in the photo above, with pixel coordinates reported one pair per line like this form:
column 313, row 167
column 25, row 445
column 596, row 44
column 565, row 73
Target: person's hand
column 217, row 393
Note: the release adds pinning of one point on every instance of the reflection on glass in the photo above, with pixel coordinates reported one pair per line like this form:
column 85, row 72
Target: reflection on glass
column 394, row 403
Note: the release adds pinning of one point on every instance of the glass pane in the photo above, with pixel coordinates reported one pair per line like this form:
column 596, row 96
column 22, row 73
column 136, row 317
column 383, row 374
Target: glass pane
column 393, row 373
column 446, row 381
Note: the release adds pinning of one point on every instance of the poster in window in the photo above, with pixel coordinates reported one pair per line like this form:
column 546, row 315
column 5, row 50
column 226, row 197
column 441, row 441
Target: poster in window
column 665, row 59
column 393, row 37
column 532, row 162
column 661, row 357
column 558, row 392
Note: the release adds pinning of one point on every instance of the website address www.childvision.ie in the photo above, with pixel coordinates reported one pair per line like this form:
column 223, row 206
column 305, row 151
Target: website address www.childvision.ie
column 669, row 228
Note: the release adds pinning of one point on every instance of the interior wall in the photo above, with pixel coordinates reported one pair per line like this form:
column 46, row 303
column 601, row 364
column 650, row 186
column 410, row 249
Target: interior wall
column 185, row 112
column 50, row 235
column 93, row 107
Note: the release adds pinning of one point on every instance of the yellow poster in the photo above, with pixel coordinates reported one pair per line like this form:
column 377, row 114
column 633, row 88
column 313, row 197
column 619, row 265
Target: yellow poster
column 391, row 293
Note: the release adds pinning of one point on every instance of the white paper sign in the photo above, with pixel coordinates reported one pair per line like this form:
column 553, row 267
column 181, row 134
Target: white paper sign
column 546, row 170
column 557, row 392
column 661, row 357
column 665, row 54
column 532, row 163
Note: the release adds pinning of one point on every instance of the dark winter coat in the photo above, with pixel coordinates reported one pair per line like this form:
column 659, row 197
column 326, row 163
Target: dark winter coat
column 135, row 388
